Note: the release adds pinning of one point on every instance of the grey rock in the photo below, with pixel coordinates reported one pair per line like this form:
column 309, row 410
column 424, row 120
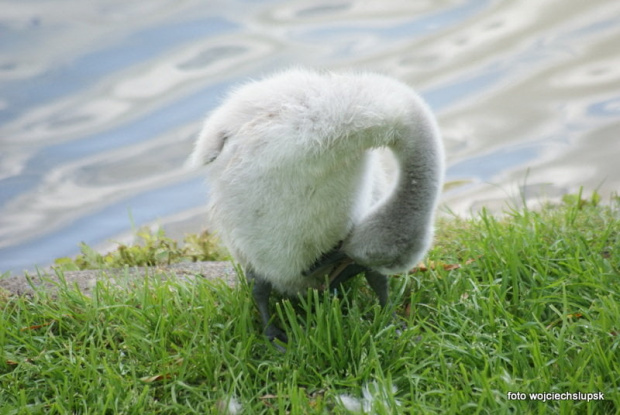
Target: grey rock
column 85, row 281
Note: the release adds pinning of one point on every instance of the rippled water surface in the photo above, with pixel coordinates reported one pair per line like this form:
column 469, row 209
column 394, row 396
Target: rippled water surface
column 100, row 101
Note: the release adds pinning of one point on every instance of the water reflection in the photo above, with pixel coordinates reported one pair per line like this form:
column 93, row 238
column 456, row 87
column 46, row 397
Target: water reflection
column 100, row 101
column 87, row 69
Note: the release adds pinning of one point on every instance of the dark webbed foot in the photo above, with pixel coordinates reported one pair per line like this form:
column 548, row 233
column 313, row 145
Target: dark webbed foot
column 276, row 337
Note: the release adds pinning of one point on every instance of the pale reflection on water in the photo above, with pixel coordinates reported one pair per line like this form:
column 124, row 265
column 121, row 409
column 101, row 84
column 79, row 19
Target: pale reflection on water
column 100, row 101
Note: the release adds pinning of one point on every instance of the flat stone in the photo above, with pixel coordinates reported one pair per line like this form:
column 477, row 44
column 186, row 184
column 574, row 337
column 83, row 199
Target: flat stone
column 86, row 280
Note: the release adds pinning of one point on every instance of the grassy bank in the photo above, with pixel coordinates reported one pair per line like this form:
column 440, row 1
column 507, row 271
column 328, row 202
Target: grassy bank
column 503, row 307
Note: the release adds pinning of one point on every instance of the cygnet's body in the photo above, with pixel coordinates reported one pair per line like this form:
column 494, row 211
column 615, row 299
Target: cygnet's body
column 309, row 169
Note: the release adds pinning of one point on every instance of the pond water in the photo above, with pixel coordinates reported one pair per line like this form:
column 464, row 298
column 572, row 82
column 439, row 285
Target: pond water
column 100, row 101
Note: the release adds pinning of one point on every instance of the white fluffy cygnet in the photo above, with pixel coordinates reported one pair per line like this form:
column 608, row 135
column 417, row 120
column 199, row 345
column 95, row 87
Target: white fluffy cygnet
column 311, row 172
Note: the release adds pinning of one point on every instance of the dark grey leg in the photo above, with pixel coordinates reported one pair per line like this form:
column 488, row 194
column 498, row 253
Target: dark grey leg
column 379, row 283
column 261, row 292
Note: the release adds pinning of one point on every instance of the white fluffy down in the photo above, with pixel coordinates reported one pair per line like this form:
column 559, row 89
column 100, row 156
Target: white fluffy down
column 373, row 397
column 229, row 406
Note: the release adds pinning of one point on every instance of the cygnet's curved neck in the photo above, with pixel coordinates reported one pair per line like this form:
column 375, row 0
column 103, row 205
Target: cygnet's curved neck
column 419, row 181
column 397, row 232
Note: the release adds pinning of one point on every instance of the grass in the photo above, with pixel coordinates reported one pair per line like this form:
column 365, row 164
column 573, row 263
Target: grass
column 525, row 303
column 149, row 249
